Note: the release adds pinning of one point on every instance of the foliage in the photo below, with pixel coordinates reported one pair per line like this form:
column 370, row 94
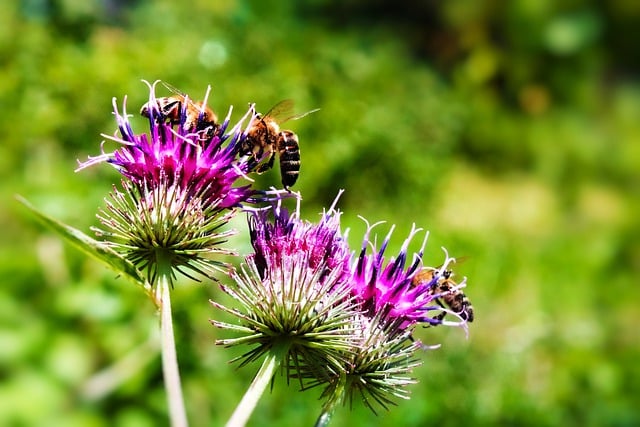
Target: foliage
column 509, row 132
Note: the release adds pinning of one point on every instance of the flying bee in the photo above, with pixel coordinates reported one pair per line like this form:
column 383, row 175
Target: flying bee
column 450, row 295
column 265, row 139
column 197, row 115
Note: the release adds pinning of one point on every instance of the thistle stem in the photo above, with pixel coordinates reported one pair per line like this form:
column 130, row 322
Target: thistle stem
column 171, row 373
column 330, row 405
column 250, row 399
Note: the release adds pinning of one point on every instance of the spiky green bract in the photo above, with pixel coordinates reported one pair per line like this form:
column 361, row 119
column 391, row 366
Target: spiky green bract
column 293, row 291
column 378, row 368
column 164, row 221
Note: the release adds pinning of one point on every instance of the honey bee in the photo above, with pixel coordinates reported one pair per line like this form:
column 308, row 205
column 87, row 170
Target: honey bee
column 198, row 116
column 265, row 138
column 449, row 294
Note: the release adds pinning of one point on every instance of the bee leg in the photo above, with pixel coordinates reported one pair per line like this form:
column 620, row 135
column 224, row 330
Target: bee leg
column 209, row 132
column 243, row 149
column 438, row 318
column 268, row 165
column 272, row 159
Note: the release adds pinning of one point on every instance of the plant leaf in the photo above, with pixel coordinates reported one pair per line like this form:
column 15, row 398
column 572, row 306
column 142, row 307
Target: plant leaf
column 94, row 248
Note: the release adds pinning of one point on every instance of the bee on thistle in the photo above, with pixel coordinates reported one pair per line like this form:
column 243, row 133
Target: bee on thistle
column 177, row 192
column 265, row 139
column 178, row 109
column 447, row 292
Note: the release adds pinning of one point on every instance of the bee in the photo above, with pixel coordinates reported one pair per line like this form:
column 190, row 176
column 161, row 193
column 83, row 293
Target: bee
column 449, row 294
column 198, row 116
column 265, row 139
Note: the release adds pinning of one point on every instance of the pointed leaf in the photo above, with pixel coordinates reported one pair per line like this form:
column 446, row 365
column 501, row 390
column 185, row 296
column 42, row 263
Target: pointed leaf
column 94, row 248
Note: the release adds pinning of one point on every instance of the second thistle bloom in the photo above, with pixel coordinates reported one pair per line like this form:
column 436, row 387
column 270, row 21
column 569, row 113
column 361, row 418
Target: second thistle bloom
column 294, row 292
column 346, row 322
column 180, row 186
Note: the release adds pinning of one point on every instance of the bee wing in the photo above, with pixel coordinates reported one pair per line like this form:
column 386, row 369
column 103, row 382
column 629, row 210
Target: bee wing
column 461, row 259
column 281, row 109
column 174, row 89
column 285, row 108
column 180, row 93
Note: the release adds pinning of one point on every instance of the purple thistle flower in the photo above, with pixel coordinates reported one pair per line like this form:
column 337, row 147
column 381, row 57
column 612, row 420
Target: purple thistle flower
column 288, row 239
column 347, row 321
column 295, row 290
column 392, row 298
column 202, row 163
column 180, row 188
column 410, row 295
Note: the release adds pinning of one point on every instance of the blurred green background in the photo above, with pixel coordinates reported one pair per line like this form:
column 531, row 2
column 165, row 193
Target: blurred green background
column 510, row 130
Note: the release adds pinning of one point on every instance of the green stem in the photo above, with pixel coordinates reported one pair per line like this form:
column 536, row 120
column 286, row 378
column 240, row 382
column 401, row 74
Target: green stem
column 258, row 385
column 177, row 412
column 330, row 405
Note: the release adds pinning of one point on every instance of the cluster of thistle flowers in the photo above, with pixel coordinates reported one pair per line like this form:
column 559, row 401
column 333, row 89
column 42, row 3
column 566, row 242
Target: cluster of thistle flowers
column 340, row 320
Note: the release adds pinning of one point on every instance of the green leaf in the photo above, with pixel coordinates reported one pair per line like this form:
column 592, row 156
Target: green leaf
column 94, row 248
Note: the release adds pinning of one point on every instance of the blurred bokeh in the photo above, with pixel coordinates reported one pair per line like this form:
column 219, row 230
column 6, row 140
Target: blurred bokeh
column 510, row 130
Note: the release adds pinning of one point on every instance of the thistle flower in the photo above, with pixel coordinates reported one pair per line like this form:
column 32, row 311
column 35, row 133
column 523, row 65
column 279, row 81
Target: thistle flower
column 179, row 189
column 296, row 303
column 294, row 291
column 323, row 248
column 412, row 295
column 347, row 321
column 392, row 299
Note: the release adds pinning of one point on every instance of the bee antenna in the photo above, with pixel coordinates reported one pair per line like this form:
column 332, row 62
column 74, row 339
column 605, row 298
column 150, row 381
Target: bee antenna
column 171, row 88
column 299, row 116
